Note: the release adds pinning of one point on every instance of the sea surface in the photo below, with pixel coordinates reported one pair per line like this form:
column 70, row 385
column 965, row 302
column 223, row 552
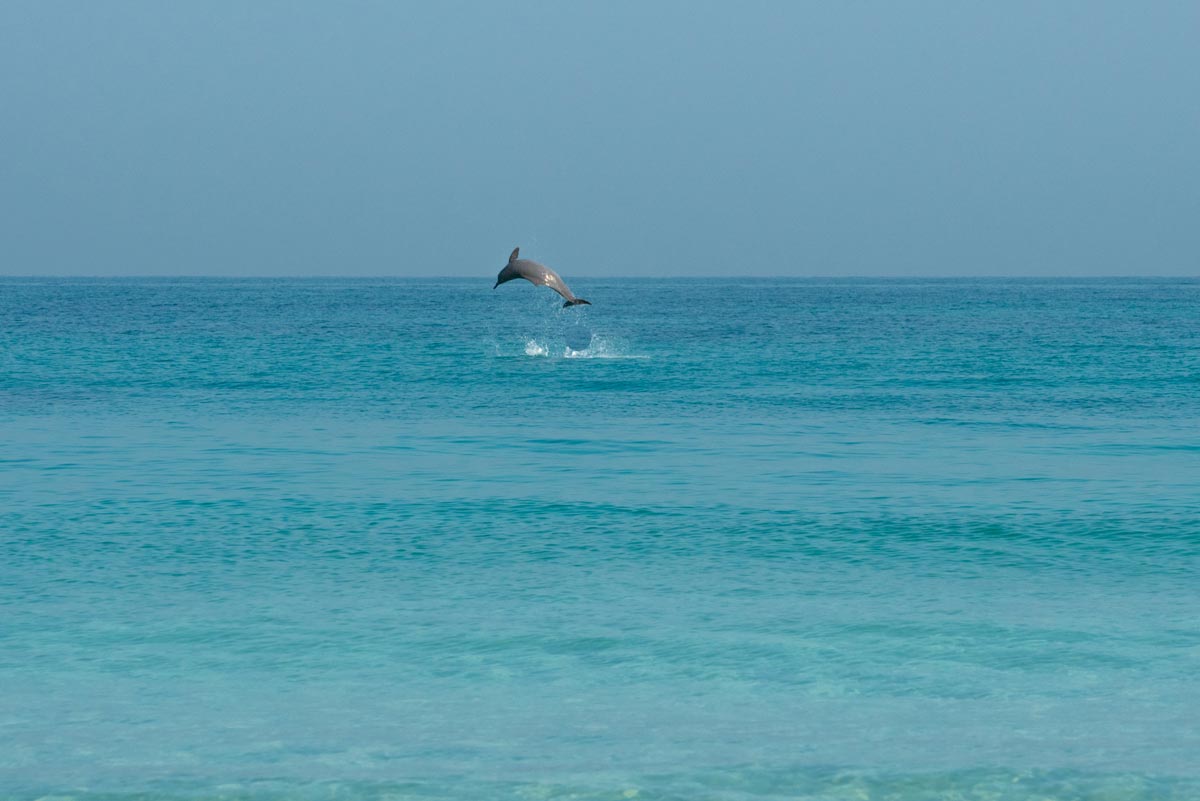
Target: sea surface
column 705, row 539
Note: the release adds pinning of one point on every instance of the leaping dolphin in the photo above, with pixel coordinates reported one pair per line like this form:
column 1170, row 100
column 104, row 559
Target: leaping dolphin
column 538, row 274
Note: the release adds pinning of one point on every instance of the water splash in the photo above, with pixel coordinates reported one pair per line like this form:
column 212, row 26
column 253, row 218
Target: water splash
column 535, row 348
column 601, row 348
column 598, row 347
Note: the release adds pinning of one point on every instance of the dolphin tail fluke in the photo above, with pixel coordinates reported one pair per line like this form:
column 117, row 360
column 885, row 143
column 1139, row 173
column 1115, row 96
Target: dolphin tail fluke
column 577, row 302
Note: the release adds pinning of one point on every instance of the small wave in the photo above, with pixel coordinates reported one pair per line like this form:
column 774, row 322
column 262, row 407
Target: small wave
column 753, row 782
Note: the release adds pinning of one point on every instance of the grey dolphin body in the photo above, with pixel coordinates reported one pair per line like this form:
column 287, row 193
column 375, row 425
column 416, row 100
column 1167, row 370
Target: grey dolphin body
column 538, row 274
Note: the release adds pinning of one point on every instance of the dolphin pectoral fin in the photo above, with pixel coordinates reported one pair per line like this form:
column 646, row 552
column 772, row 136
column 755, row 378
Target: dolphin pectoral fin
column 513, row 257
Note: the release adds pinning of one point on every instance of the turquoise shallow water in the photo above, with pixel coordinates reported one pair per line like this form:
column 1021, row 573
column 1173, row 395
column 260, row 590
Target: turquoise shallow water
column 702, row 540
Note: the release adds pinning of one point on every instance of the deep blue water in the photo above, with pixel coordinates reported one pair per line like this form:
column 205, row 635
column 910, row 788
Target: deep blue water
column 762, row 539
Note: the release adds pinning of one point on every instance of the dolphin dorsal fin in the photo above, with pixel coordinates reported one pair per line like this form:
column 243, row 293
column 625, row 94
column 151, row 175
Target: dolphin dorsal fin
column 513, row 257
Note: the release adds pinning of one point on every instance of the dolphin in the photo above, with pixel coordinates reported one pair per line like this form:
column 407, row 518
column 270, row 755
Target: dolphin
column 538, row 274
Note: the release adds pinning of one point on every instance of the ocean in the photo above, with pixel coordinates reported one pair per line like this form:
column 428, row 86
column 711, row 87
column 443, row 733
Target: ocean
column 704, row 539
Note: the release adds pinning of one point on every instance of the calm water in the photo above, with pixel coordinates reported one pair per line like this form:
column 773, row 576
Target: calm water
column 702, row 540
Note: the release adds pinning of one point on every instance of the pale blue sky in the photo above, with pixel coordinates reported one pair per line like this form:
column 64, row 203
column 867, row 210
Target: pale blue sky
column 614, row 138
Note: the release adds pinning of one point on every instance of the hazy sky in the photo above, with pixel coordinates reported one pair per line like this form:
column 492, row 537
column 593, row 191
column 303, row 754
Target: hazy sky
column 640, row 138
